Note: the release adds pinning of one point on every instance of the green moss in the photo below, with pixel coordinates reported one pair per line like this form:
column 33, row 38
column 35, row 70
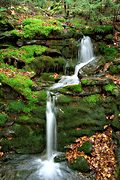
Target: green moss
column 75, row 88
column 109, row 37
column 92, row 98
column 85, row 132
column 42, row 95
column 47, row 76
column 114, row 69
column 77, row 22
column 29, row 141
column 25, row 53
column 16, row 106
column 47, row 64
column 102, row 28
column 36, row 27
column 86, row 147
column 80, row 164
column 14, row 33
column 65, row 99
column 115, row 124
column 109, row 52
column 21, row 84
column 24, row 118
column 72, row 88
column 3, row 118
column 21, row 130
column 109, row 87
column 84, row 81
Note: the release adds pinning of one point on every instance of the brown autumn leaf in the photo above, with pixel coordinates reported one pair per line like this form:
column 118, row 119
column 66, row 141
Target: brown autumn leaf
column 102, row 159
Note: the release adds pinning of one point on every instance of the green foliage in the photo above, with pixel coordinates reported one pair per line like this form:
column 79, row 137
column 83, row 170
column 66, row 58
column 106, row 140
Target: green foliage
column 29, row 141
column 42, row 95
column 21, row 84
column 14, row 33
column 90, row 8
column 80, row 164
column 3, row 118
column 84, row 81
column 25, row 53
column 75, row 88
column 16, row 106
column 103, row 28
column 36, row 27
column 72, row 88
column 77, row 22
column 92, row 98
column 47, row 76
column 86, row 147
column 47, row 64
column 114, row 69
column 109, row 87
column 109, row 52
column 2, row 9
column 24, row 118
column 65, row 99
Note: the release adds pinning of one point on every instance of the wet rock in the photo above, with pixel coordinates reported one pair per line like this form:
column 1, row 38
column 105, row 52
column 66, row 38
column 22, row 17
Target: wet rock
column 52, row 53
column 14, row 61
column 60, row 158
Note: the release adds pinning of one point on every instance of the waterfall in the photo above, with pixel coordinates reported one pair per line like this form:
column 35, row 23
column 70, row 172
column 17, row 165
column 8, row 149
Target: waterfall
column 45, row 168
column 51, row 125
column 49, row 170
column 85, row 56
column 85, row 52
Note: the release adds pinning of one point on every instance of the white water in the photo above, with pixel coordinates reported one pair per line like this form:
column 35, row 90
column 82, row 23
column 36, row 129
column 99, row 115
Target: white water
column 49, row 170
column 85, row 56
column 85, row 52
column 39, row 169
column 51, row 125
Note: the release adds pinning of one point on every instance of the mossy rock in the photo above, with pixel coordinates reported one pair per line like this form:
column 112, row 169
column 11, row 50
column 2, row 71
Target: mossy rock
column 72, row 89
column 3, row 119
column 23, row 131
column 47, row 77
column 80, row 164
column 25, row 54
column 92, row 98
column 34, row 27
column 65, row 99
column 60, row 158
column 86, row 147
column 16, row 106
column 109, row 53
column 110, row 88
column 47, row 64
column 109, row 37
column 114, row 69
column 116, row 124
column 31, row 144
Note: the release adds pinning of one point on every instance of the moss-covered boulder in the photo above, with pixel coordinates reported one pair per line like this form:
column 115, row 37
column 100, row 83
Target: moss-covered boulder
column 86, row 147
column 80, row 164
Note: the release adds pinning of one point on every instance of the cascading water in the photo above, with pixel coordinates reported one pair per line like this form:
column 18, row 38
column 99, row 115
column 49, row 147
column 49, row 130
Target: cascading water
column 85, row 56
column 51, row 125
column 36, row 168
column 51, row 170
column 85, row 52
